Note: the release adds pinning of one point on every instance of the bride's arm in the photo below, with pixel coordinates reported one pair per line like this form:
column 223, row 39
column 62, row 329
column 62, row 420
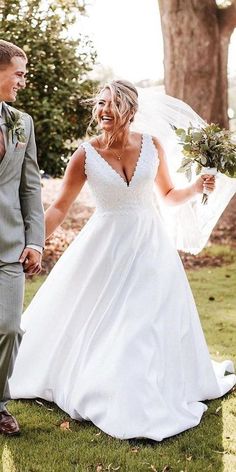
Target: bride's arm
column 72, row 183
column 172, row 195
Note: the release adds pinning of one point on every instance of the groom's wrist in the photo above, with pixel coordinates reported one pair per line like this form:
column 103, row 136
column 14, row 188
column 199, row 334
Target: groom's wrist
column 36, row 247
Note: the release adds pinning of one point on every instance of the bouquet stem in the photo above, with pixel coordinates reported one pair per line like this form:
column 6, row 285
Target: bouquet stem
column 207, row 171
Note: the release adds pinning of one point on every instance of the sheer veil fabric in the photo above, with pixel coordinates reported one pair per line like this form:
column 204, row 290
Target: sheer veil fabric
column 191, row 224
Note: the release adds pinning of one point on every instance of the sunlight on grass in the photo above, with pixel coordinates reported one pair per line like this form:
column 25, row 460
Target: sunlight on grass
column 227, row 252
column 229, row 435
column 7, row 460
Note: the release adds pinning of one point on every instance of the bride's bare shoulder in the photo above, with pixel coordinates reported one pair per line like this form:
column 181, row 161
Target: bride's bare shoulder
column 136, row 135
column 94, row 141
column 81, row 150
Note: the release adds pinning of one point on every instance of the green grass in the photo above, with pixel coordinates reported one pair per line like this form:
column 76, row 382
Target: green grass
column 214, row 290
column 45, row 447
column 227, row 253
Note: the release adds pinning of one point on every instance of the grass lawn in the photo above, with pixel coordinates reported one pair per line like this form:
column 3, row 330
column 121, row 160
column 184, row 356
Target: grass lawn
column 45, row 446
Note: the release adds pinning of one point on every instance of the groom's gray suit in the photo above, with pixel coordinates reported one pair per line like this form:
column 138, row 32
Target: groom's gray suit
column 21, row 225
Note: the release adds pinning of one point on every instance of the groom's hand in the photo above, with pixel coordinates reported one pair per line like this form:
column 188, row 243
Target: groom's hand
column 31, row 260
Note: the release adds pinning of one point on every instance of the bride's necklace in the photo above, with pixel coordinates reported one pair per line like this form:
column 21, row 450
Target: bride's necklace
column 117, row 155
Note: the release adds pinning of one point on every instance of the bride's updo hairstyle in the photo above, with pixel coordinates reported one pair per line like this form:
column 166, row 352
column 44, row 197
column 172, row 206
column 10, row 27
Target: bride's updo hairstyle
column 124, row 98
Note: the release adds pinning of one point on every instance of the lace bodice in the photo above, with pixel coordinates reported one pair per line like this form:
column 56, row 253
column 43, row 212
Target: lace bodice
column 111, row 192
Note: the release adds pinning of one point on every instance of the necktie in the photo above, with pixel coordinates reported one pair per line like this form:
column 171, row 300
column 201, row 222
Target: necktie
column 2, row 145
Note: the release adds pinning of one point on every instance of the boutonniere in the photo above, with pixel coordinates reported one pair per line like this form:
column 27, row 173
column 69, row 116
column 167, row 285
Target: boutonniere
column 15, row 126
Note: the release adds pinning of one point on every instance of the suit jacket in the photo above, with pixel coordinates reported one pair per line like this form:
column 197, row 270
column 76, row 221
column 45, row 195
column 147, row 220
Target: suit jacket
column 21, row 211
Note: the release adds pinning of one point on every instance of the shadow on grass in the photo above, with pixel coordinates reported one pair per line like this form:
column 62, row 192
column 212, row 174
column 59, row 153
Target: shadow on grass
column 200, row 445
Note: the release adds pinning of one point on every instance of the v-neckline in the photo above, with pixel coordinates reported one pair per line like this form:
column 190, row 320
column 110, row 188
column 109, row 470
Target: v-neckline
column 115, row 171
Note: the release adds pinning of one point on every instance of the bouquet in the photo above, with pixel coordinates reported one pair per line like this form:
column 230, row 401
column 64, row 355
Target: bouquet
column 208, row 149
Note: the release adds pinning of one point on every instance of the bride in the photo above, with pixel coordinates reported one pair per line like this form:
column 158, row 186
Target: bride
column 113, row 335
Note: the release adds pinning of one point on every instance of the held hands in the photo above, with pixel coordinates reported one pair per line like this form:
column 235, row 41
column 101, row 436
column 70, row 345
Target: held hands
column 31, row 260
column 205, row 183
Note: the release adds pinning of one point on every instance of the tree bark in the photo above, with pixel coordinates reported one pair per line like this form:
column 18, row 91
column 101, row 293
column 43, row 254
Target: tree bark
column 196, row 39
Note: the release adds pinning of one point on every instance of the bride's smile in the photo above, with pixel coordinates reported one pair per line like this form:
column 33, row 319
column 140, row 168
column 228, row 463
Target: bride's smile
column 105, row 115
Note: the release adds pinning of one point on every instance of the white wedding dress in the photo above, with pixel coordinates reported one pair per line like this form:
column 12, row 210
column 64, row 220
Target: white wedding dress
column 113, row 335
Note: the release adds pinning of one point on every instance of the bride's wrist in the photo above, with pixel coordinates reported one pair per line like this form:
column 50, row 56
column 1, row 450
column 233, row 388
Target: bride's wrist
column 194, row 189
column 197, row 186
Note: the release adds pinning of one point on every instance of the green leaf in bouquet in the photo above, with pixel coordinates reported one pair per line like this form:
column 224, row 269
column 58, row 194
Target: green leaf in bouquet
column 198, row 169
column 212, row 143
column 180, row 131
column 204, row 147
column 190, row 128
column 203, row 160
column 189, row 173
column 222, row 165
column 186, row 153
column 185, row 165
column 187, row 147
column 231, row 171
column 196, row 135
column 188, row 138
column 186, row 161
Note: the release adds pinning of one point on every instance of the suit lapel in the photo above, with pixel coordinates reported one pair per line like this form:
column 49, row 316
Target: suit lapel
column 9, row 145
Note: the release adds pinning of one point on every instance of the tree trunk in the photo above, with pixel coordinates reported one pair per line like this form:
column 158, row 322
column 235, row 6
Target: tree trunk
column 196, row 39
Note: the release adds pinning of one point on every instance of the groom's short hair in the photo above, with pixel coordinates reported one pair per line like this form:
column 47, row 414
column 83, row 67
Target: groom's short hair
column 8, row 51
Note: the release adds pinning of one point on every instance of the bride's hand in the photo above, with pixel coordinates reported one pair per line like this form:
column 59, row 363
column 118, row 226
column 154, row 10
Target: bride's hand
column 205, row 182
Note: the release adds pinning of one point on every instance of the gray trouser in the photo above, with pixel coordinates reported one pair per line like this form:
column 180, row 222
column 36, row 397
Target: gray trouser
column 11, row 303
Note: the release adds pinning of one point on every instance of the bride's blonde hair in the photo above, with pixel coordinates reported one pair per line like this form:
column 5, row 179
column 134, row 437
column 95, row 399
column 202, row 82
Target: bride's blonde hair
column 124, row 99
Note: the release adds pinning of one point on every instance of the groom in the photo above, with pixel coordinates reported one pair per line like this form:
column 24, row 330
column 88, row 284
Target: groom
column 21, row 216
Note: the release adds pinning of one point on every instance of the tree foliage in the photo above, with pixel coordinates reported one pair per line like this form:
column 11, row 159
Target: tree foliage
column 57, row 78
